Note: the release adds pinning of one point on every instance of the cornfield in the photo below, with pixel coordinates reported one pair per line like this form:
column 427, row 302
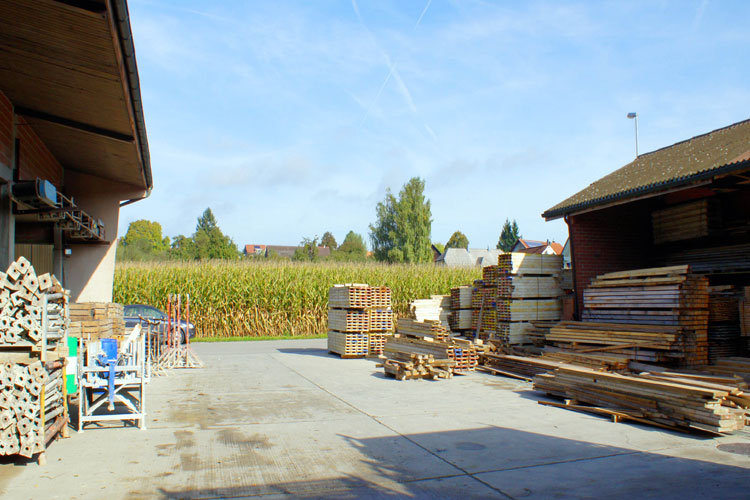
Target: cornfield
column 232, row 299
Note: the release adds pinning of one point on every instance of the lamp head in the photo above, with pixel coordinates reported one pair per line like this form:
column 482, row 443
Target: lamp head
column 632, row 115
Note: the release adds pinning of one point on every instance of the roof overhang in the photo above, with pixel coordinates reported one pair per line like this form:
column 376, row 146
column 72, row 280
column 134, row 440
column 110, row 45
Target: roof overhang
column 69, row 68
column 649, row 191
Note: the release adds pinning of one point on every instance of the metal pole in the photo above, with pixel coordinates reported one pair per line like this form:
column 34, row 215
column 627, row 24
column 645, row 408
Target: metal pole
column 636, row 136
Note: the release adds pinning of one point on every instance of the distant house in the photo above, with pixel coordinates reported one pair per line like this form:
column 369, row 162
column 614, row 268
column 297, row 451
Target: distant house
column 461, row 257
column 255, row 250
column 538, row 247
column 283, row 251
column 435, row 253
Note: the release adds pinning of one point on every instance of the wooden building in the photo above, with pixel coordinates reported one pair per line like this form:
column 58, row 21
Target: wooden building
column 73, row 146
column 688, row 203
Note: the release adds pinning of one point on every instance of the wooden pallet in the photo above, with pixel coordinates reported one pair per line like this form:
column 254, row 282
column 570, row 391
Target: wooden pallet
column 349, row 320
column 380, row 297
column 348, row 345
column 381, row 320
column 350, row 296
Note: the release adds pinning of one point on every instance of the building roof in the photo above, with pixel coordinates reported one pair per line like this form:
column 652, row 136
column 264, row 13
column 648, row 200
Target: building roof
column 539, row 250
column 721, row 151
column 461, row 257
column 530, row 243
column 558, row 248
column 69, row 69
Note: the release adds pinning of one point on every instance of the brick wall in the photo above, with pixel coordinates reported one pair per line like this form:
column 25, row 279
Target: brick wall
column 6, row 130
column 613, row 239
column 36, row 159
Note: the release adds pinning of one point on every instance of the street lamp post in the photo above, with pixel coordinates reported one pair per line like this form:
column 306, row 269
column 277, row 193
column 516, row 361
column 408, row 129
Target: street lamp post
column 634, row 116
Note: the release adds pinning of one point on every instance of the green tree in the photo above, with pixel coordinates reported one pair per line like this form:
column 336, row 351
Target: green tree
column 353, row 249
column 183, row 248
column 401, row 232
column 458, row 240
column 508, row 236
column 307, row 250
column 143, row 241
column 208, row 242
column 328, row 241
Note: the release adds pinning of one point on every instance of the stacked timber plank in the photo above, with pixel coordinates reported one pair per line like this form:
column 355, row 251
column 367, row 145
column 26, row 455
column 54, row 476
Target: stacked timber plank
column 436, row 308
column 685, row 221
column 360, row 317
column 716, row 260
column 675, row 403
column 33, row 337
column 649, row 343
column 667, row 296
column 723, row 322
column 425, row 349
column 734, row 366
column 461, row 310
column 520, row 289
column 523, row 367
column 407, row 358
column 97, row 320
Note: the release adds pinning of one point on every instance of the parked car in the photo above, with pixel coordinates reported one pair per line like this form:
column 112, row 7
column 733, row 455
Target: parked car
column 140, row 313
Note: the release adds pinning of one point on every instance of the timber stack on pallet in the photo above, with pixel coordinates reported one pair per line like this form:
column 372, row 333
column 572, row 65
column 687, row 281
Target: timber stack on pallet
column 461, row 310
column 665, row 296
column 436, row 308
column 462, row 351
column 624, row 342
column 685, row 221
column 676, row 401
column 33, row 325
column 520, row 289
column 97, row 320
column 407, row 358
column 360, row 318
column 723, row 322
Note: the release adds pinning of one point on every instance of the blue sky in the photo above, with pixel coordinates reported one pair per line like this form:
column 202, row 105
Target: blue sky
column 290, row 119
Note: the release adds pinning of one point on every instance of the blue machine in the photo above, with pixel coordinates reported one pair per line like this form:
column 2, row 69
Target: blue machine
column 108, row 358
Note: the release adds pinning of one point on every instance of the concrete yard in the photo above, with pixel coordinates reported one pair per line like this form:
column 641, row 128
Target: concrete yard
column 285, row 419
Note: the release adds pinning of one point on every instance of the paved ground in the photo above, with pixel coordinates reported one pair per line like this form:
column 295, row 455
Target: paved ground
column 287, row 420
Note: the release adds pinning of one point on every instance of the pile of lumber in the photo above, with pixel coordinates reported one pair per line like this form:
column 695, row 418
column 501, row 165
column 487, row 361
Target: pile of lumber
column 744, row 313
column 360, row 317
column 436, row 308
column 428, row 329
column 673, row 401
column 734, row 366
column 522, row 367
column 96, row 320
column 33, row 327
column 716, row 260
column 520, row 289
column 685, row 221
column 667, row 296
column 723, row 322
column 649, row 343
column 408, row 358
column 461, row 309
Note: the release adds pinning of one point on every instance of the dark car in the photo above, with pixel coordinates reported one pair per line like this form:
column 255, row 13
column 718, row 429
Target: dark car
column 139, row 313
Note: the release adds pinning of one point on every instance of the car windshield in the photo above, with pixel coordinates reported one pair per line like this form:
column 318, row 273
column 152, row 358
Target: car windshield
column 152, row 313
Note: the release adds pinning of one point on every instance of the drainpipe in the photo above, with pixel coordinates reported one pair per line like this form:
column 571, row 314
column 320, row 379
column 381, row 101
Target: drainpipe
column 573, row 267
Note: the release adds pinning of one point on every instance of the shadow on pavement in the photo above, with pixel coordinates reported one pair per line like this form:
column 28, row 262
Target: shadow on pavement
column 497, row 462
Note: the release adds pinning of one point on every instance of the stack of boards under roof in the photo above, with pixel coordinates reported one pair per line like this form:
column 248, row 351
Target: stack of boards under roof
column 426, row 350
column 360, row 317
column 520, row 289
column 657, row 301
column 33, row 327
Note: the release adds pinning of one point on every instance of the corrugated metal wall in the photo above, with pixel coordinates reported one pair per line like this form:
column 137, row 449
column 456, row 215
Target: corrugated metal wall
column 41, row 256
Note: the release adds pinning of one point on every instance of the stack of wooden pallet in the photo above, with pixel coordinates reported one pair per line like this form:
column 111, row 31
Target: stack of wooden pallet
column 723, row 322
column 661, row 399
column 360, row 318
column 461, row 310
column 436, row 308
column 667, row 296
column 97, row 320
column 33, row 326
column 520, row 289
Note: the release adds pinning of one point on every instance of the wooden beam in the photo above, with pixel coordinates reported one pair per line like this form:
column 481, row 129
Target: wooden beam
column 65, row 122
